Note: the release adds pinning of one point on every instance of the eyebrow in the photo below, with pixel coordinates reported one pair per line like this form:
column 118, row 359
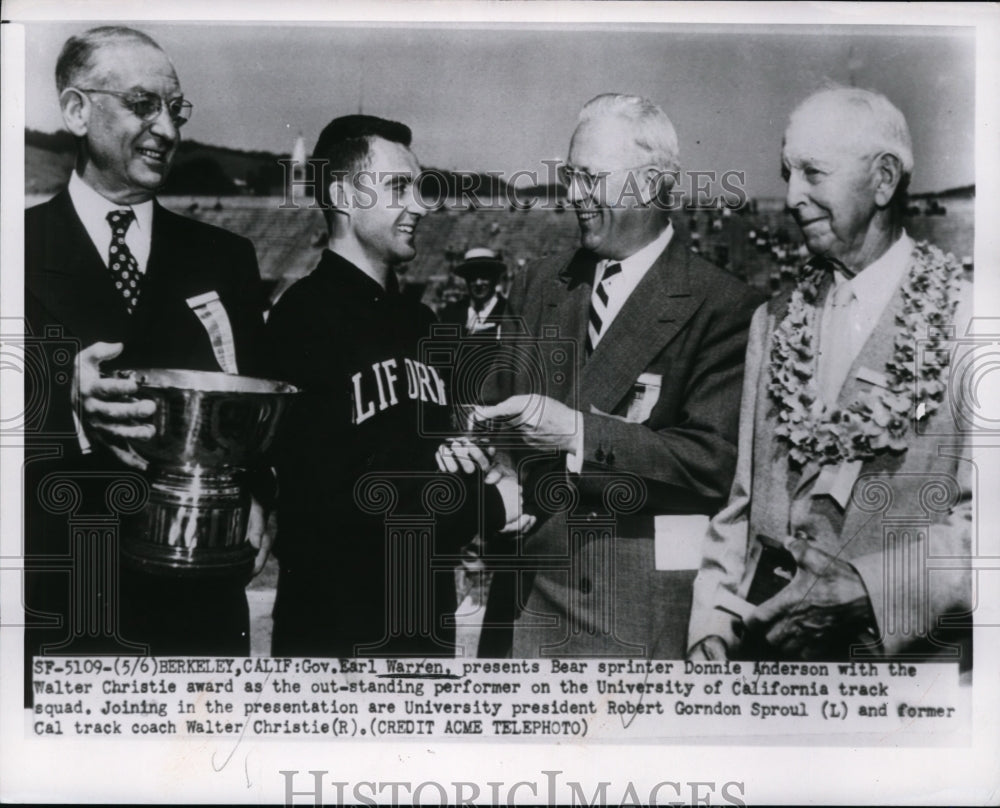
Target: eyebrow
column 819, row 162
column 138, row 88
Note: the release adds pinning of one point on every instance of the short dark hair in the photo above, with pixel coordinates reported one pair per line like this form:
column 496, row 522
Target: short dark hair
column 344, row 147
column 77, row 54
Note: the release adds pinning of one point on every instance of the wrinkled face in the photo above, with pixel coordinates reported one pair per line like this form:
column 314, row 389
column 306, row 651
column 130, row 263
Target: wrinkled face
column 128, row 158
column 831, row 182
column 481, row 287
column 385, row 210
column 613, row 221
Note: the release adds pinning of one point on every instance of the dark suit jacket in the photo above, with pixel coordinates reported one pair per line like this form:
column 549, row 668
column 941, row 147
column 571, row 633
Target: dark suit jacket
column 595, row 588
column 68, row 286
column 70, row 303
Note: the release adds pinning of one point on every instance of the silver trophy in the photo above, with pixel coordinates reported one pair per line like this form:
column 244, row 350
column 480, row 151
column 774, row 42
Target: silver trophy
column 210, row 428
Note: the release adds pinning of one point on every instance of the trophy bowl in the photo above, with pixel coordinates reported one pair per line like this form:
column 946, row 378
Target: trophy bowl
column 211, row 429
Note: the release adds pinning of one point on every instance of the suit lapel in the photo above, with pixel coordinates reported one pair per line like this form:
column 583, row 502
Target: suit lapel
column 565, row 305
column 174, row 272
column 162, row 266
column 652, row 316
column 73, row 282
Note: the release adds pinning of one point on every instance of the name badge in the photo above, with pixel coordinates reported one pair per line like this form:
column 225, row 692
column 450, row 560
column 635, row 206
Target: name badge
column 212, row 314
column 645, row 394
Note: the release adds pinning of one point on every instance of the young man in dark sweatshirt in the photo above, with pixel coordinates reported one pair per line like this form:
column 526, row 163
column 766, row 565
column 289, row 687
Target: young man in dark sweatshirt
column 369, row 528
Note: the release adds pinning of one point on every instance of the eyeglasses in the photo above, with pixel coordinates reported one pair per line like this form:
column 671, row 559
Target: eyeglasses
column 587, row 181
column 148, row 106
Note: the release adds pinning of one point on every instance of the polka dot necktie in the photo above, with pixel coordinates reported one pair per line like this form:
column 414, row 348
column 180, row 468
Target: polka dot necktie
column 124, row 267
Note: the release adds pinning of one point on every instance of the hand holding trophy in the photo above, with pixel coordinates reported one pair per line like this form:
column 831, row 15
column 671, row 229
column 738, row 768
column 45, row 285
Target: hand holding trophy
column 210, row 430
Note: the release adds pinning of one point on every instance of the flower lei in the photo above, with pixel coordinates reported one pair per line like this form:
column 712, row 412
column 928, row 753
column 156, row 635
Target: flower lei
column 878, row 419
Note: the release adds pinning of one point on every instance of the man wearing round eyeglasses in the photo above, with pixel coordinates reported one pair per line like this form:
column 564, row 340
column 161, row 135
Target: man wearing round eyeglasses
column 643, row 417
column 113, row 280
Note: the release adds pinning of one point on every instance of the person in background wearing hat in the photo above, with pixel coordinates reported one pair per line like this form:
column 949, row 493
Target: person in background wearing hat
column 356, row 453
column 480, row 312
column 118, row 277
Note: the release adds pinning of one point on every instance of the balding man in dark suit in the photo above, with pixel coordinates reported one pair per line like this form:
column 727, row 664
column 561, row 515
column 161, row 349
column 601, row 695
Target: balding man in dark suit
column 126, row 283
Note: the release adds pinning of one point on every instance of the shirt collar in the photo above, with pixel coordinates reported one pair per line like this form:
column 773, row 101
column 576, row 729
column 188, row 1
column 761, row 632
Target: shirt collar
column 637, row 264
column 93, row 210
column 485, row 312
column 875, row 284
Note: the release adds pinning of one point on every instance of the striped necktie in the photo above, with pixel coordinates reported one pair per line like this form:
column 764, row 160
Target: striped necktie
column 599, row 308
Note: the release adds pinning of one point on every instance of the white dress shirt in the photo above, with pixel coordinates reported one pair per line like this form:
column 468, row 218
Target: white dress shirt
column 93, row 210
column 634, row 268
column 475, row 319
column 873, row 288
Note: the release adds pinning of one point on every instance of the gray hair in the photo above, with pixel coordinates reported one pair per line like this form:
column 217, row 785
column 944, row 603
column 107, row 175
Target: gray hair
column 76, row 58
column 653, row 131
column 887, row 127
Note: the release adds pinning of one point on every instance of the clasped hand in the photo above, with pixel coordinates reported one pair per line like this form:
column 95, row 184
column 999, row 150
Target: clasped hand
column 466, row 455
column 824, row 607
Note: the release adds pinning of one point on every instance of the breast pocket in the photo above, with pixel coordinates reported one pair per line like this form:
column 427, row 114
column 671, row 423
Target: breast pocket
column 644, row 396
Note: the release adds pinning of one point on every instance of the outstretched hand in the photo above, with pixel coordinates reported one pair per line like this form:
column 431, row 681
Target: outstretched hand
column 541, row 421
column 465, row 455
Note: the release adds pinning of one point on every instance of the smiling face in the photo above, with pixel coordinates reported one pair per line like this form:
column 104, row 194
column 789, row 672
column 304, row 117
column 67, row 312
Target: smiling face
column 832, row 182
column 613, row 221
column 385, row 211
column 125, row 158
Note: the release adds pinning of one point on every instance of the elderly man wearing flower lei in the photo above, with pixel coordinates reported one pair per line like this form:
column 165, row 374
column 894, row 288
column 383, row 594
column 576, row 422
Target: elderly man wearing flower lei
column 851, row 479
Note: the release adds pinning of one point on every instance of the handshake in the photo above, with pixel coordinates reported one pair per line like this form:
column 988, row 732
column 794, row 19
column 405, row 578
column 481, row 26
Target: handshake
column 538, row 421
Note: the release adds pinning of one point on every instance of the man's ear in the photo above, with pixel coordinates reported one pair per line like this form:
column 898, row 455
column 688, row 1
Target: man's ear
column 888, row 174
column 662, row 182
column 76, row 107
column 341, row 195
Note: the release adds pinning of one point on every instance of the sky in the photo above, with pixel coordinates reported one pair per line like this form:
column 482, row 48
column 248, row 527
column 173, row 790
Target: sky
column 506, row 98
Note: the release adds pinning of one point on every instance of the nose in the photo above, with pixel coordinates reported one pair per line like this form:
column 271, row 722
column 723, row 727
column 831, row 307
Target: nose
column 575, row 193
column 795, row 193
column 412, row 203
column 163, row 126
